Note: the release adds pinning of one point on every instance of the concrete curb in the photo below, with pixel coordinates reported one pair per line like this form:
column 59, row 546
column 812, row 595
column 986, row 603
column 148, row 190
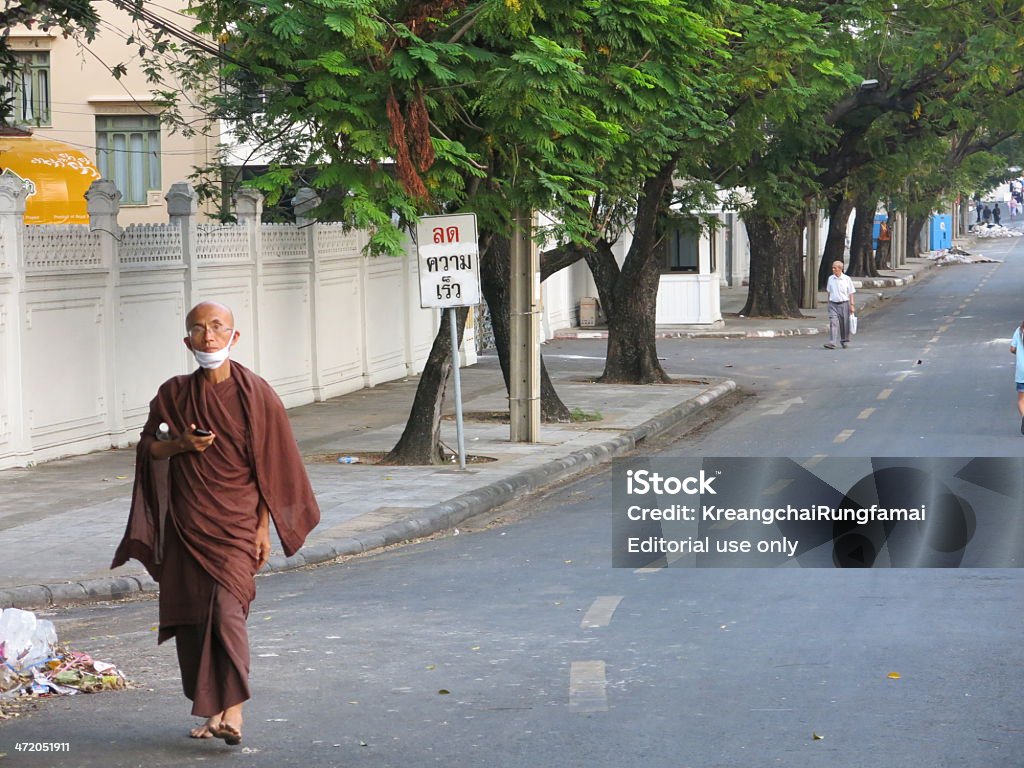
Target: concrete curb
column 73, row 593
column 430, row 520
column 450, row 513
column 767, row 333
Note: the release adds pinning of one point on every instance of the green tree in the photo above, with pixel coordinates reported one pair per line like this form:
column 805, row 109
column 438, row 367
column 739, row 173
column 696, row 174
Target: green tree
column 675, row 161
column 929, row 73
column 398, row 109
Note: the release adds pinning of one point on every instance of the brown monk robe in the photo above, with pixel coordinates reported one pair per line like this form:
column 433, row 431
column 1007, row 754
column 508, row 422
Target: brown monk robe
column 193, row 524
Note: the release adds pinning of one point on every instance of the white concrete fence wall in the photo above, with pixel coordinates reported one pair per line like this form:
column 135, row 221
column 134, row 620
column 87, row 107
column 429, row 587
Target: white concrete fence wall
column 92, row 317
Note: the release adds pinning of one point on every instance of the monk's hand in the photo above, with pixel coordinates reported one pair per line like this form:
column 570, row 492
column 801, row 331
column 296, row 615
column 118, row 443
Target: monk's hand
column 262, row 545
column 191, row 442
column 262, row 535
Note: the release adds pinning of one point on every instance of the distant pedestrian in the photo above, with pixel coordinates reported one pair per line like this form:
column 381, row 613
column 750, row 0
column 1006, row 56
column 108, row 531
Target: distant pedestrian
column 1017, row 349
column 840, row 306
column 1012, row 205
column 996, row 214
column 986, row 214
column 884, row 243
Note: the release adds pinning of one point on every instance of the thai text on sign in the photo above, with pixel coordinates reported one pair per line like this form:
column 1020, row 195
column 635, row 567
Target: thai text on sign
column 448, row 260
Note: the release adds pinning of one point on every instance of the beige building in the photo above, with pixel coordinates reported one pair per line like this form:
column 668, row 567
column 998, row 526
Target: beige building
column 66, row 92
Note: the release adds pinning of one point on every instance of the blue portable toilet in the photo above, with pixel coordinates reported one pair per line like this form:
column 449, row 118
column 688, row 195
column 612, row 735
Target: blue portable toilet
column 940, row 231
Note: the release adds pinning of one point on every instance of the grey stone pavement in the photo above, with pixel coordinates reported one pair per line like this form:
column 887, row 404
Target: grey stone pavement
column 61, row 521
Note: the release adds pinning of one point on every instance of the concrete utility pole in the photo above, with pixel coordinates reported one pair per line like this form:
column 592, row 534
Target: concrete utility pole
column 524, row 376
column 901, row 220
column 811, row 262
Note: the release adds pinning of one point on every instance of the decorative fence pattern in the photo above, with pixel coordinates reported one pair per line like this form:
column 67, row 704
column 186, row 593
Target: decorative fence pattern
column 332, row 241
column 61, row 247
column 222, row 242
column 91, row 317
column 284, row 242
column 144, row 245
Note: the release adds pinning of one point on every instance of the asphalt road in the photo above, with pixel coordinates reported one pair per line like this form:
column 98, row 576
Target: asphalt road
column 518, row 645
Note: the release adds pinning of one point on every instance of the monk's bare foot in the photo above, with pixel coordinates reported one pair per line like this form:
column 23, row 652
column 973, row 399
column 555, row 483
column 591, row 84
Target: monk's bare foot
column 232, row 734
column 207, row 729
column 230, row 726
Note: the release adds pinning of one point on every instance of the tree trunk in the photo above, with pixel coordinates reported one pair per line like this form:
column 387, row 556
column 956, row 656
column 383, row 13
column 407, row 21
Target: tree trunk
column 420, row 443
column 862, row 260
column 914, row 226
column 839, row 209
column 495, row 281
column 630, row 295
column 630, row 305
column 775, row 251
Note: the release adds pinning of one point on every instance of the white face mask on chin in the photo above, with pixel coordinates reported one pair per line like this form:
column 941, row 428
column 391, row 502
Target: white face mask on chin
column 216, row 359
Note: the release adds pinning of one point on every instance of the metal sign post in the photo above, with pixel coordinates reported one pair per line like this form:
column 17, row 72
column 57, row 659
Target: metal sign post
column 449, row 271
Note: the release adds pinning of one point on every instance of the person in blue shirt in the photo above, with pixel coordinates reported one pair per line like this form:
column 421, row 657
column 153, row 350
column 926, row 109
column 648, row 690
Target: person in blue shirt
column 1017, row 348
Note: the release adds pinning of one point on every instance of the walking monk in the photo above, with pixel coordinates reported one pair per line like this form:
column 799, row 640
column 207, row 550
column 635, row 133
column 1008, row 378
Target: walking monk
column 216, row 463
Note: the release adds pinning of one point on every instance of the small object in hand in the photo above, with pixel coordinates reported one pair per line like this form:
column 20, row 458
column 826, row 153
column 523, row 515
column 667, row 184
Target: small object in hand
column 163, row 432
column 199, row 432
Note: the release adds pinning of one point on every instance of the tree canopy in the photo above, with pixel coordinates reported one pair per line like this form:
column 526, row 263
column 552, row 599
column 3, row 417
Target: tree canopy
column 406, row 108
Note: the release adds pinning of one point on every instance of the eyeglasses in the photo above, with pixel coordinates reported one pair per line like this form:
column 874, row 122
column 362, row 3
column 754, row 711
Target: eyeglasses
column 216, row 328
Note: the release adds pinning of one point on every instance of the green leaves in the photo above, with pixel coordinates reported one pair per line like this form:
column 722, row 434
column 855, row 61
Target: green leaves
column 565, row 104
column 337, row 63
column 499, row 103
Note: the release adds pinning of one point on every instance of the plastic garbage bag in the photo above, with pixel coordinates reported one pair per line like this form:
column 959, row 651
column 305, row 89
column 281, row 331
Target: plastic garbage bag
column 25, row 640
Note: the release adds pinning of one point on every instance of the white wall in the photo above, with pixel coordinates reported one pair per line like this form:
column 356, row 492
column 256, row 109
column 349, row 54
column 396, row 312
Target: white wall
column 688, row 298
column 92, row 317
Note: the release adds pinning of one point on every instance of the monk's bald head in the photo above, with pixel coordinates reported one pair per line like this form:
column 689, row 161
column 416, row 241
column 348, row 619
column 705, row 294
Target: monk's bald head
column 208, row 310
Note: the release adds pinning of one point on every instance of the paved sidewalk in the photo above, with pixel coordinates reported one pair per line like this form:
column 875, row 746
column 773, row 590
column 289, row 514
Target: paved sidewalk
column 60, row 522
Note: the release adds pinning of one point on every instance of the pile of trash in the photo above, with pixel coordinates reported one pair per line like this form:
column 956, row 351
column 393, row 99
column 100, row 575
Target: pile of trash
column 956, row 255
column 33, row 664
column 995, row 230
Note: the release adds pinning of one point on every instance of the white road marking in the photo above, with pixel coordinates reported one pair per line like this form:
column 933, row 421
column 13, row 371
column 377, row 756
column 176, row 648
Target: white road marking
column 669, row 559
column 777, row 486
column 866, row 413
column 588, row 689
column 843, row 436
column 780, row 408
column 884, row 394
column 600, row 612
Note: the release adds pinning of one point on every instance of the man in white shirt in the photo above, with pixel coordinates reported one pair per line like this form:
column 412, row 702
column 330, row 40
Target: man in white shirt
column 840, row 306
